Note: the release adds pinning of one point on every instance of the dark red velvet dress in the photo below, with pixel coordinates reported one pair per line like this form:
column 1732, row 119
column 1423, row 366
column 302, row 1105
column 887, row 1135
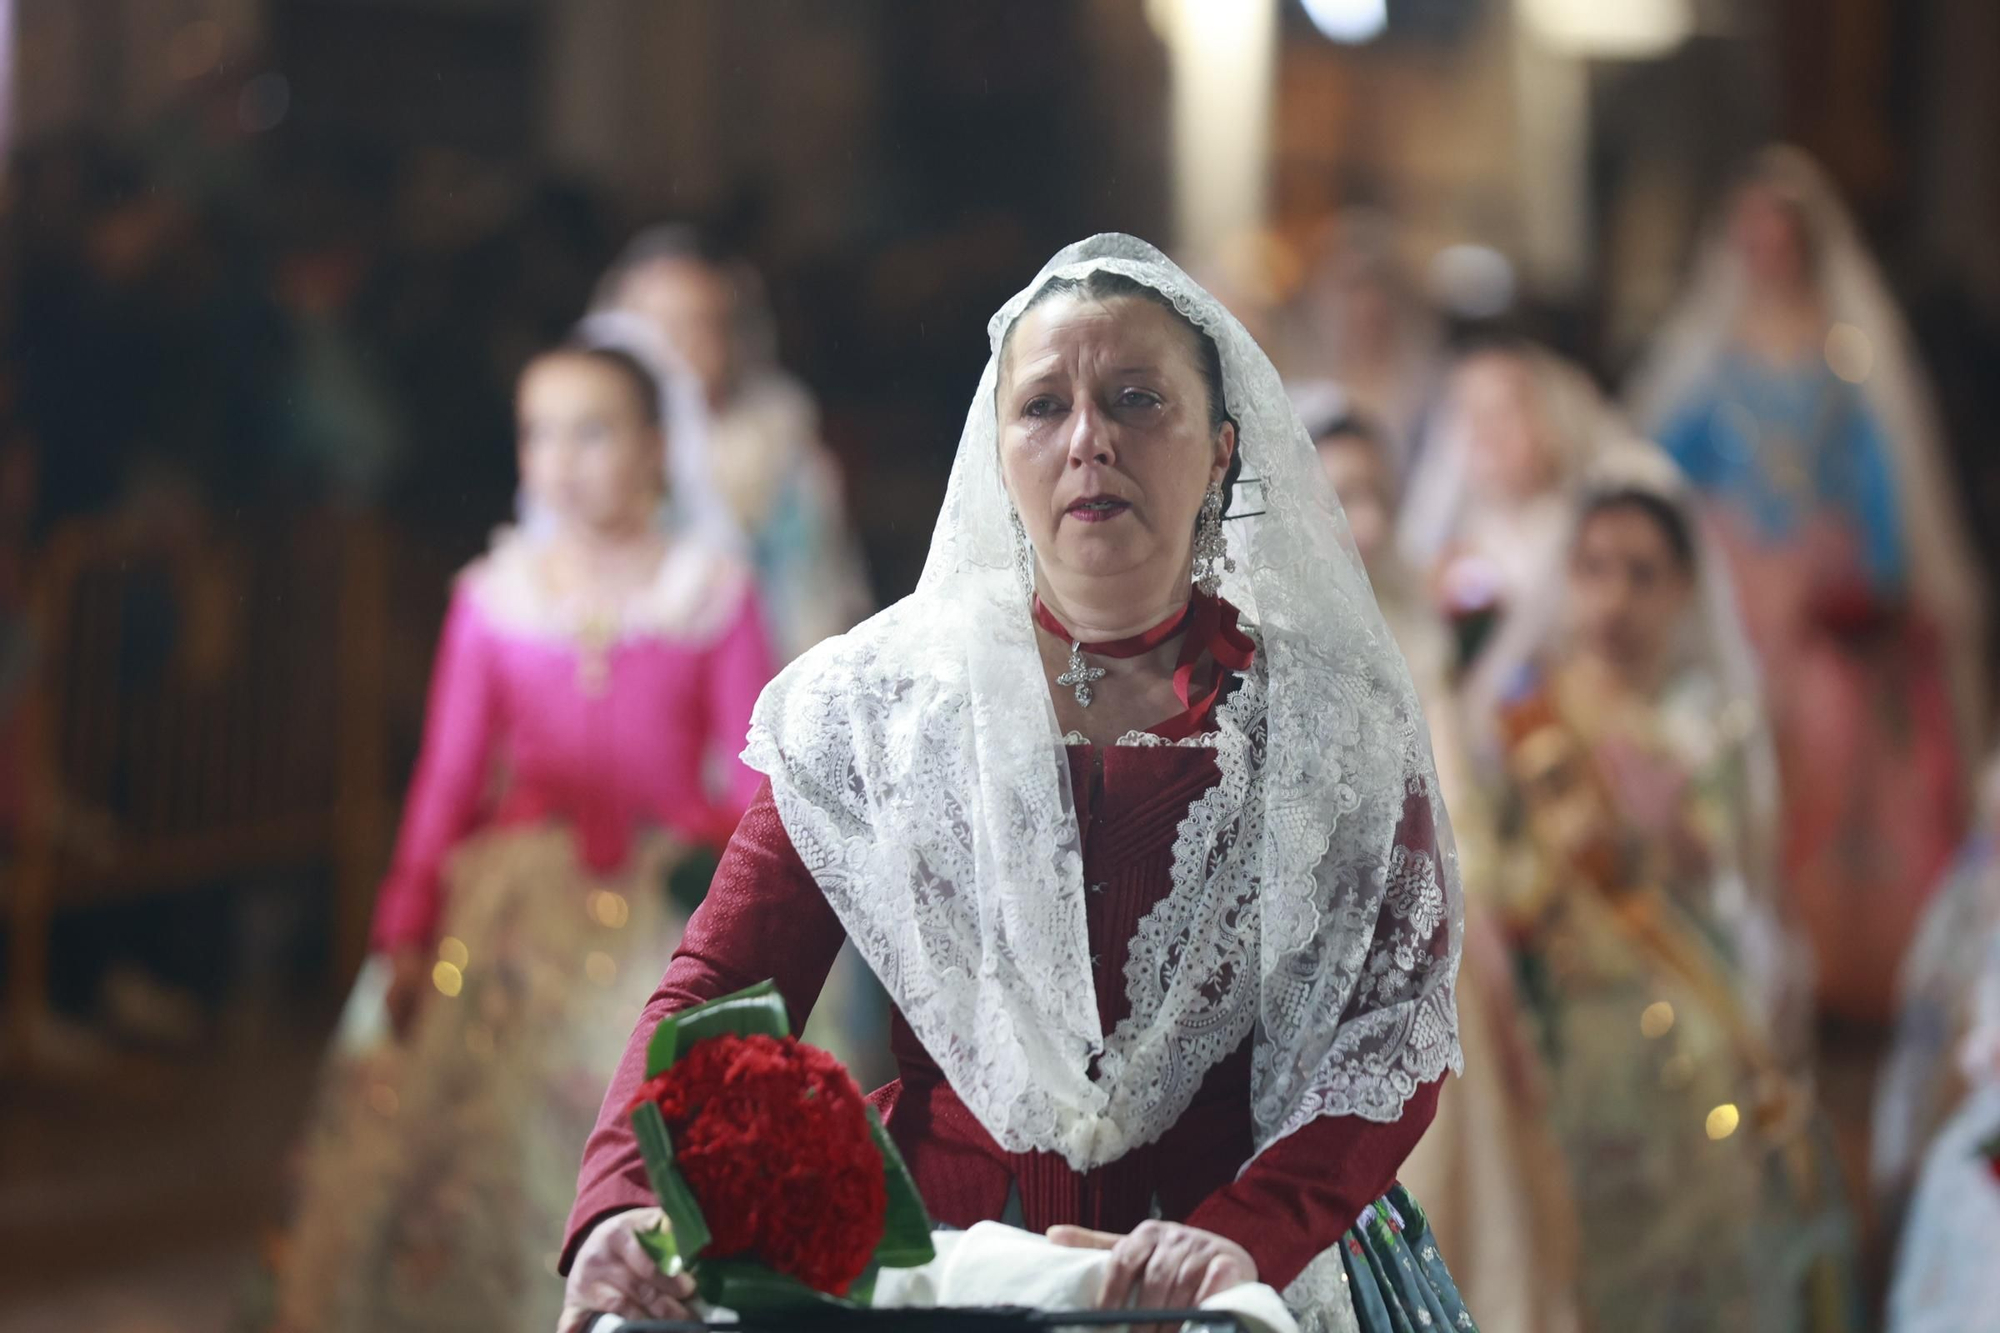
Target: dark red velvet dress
column 764, row 917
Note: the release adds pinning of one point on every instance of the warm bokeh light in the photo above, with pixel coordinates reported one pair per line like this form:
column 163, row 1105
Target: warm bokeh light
column 1849, row 354
column 608, row 909
column 1658, row 1019
column 1722, row 1121
column 448, row 979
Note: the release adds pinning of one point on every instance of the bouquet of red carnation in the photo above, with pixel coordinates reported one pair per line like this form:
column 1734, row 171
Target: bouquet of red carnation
column 779, row 1184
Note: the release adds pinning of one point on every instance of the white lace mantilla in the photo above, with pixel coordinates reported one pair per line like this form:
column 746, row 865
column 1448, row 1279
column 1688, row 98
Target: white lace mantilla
column 1314, row 902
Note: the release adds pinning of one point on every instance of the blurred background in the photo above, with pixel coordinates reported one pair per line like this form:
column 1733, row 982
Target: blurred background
column 269, row 270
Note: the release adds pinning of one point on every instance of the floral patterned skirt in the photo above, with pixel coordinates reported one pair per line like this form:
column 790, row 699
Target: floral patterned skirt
column 1385, row 1276
column 439, row 1173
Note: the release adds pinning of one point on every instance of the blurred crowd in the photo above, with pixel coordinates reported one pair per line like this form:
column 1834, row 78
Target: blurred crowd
column 1704, row 661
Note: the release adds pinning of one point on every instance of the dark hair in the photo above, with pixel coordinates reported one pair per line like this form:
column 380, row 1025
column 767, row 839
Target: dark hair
column 644, row 385
column 1666, row 515
column 1103, row 285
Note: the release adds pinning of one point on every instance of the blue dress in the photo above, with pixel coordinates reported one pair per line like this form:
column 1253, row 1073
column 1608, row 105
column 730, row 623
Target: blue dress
column 1790, row 456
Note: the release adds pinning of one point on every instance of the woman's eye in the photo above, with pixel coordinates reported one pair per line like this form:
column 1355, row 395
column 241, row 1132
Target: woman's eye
column 1138, row 398
column 1042, row 405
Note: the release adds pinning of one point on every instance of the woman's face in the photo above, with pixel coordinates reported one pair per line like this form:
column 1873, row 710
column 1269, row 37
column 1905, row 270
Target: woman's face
column 1354, row 466
column 1498, row 401
column 1105, row 442
column 694, row 308
column 588, row 453
column 1769, row 235
column 1628, row 591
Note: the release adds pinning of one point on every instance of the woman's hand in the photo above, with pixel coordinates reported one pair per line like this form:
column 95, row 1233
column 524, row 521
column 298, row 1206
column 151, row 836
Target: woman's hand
column 409, row 976
column 1163, row 1265
column 613, row 1274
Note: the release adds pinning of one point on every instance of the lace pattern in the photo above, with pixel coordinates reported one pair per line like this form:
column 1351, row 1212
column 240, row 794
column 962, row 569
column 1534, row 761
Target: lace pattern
column 1314, row 899
column 1148, row 740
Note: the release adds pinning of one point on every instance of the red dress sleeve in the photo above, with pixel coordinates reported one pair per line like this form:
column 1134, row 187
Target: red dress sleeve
column 1297, row 1198
column 763, row 918
column 461, row 730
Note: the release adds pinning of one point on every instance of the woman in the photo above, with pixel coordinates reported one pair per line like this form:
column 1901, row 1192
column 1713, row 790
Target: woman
column 779, row 489
column 1946, row 1279
column 1656, row 971
column 1487, row 507
column 1497, row 1188
column 595, row 670
column 1787, row 388
column 1922, row 1081
column 1360, row 318
column 1164, row 897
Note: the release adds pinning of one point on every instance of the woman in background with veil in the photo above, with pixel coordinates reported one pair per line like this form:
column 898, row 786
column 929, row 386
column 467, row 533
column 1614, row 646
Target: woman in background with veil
column 759, row 481
column 1671, row 1002
column 1946, row 1279
column 592, row 686
column 1132, row 811
column 1786, row 386
column 779, row 490
column 1490, row 1171
column 1487, row 509
column 1360, row 319
column 1923, row 1079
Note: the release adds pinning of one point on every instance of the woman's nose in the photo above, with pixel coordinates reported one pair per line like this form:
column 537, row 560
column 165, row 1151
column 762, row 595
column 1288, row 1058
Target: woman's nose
column 1090, row 437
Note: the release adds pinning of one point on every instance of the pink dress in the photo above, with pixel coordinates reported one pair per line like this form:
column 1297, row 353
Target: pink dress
column 525, row 727
column 567, row 762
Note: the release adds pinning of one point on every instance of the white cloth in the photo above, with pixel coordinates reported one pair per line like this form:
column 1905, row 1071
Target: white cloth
column 994, row 1264
column 917, row 766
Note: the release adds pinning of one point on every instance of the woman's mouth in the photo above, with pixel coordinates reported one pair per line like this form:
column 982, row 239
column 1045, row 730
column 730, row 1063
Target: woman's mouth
column 1097, row 509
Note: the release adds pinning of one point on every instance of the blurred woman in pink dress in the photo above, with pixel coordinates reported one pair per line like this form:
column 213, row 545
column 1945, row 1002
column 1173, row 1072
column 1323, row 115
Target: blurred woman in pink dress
column 593, row 686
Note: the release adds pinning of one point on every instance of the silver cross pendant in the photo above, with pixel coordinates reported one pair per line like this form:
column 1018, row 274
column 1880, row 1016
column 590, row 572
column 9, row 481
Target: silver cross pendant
column 1080, row 675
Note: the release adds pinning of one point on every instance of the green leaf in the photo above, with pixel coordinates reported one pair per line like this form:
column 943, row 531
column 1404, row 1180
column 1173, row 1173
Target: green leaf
column 906, row 1227
column 656, row 1148
column 660, row 1244
column 756, row 1011
column 751, row 1288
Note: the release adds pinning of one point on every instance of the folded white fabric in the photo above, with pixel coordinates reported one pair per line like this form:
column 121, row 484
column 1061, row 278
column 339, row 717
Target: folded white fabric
column 995, row 1264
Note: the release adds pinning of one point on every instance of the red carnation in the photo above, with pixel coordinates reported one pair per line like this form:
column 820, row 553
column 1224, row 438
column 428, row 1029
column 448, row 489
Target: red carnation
column 773, row 1140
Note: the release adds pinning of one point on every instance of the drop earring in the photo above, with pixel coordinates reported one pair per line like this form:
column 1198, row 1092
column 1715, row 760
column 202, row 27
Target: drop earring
column 1211, row 548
